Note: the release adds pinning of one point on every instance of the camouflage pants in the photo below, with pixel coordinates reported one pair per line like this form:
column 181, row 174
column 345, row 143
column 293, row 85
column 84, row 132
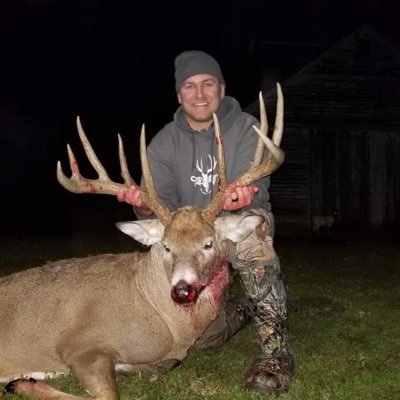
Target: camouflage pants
column 261, row 278
column 263, row 284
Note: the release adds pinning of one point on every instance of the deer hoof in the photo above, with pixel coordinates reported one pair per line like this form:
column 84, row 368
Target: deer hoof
column 11, row 387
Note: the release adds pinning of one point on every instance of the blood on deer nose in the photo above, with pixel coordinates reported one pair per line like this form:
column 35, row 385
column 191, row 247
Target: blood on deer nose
column 182, row 293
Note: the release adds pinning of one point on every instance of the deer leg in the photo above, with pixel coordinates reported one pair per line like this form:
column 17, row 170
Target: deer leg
column 260, row 274
column 37, row 389
column 95, row 372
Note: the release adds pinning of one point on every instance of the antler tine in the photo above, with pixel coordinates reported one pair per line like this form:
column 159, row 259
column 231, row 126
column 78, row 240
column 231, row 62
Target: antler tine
column 220, row 153
column 91, row 155
column 103, row 185
column 259, row 153
column 216, row 204
column 150, row 197
column 278, row 128
column 276, row 154
column 122, row 162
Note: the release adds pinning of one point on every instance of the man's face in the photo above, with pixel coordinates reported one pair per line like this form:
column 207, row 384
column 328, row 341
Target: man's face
column 200, row 96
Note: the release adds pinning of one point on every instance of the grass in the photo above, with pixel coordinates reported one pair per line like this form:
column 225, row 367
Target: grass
column 344, row 322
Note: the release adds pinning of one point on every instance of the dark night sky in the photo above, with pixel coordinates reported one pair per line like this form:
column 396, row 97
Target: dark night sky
column 111, row 62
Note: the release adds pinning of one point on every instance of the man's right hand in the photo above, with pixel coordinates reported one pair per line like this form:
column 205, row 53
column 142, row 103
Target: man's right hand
column 132, row 197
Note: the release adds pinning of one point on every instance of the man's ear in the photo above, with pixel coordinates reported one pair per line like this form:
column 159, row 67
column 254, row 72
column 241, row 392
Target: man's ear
column 222, row 90
column 179, row 98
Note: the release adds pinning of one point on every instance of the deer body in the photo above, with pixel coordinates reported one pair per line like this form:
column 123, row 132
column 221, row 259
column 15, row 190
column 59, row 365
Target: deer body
column 323, row 223
column 96, row 312
column 117, row 309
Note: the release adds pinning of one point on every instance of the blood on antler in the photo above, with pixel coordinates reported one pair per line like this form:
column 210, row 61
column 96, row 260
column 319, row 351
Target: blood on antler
column 104, row 185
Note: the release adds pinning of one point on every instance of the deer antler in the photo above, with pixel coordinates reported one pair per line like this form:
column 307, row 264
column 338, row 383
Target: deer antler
column 258, row 169
column 104, row 185
column 150, row 197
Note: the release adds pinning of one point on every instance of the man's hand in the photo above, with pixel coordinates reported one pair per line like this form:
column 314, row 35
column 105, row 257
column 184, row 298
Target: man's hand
column 132, row 197
column 239, row 197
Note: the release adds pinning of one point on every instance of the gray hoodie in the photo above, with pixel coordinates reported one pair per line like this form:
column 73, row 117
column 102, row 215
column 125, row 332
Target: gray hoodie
column 183, row 161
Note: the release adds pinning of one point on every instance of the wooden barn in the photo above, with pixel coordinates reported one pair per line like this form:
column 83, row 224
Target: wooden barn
column 342, row 136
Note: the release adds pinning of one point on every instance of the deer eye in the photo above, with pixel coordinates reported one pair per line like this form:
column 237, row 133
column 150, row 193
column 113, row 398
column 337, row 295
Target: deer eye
column 166, row 248
column 208, row 245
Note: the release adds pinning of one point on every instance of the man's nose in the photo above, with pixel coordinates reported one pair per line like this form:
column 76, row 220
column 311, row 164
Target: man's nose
column 199, row 91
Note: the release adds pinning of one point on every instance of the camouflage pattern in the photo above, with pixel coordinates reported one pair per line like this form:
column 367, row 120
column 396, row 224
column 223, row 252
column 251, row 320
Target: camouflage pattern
column 264, row 286
column 260, row 274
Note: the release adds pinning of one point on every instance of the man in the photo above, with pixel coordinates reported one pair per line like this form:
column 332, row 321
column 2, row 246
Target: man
column 183, row 166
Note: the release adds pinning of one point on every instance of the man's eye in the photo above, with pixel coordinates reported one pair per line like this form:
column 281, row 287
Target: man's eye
column 209, row 84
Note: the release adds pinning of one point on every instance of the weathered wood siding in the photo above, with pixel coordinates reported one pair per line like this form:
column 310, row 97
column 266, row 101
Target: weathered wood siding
column 354, row 173
column 342, row 133
column 290, row 185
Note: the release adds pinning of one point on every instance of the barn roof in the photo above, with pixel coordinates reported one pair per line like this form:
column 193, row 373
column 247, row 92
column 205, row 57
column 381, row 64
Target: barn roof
column 355, row 83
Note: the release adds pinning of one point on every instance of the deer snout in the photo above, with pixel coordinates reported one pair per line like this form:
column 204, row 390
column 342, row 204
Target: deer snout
column 184, row 293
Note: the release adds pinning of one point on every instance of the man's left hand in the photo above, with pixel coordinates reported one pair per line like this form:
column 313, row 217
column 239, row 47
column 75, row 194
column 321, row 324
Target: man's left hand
column 239, row 197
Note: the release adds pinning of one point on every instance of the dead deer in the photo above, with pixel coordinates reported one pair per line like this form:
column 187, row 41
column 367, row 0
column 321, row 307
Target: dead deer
column 100, row 315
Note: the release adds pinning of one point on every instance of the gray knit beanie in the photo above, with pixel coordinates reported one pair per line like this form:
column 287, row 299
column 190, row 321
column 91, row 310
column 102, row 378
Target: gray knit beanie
column 191, row 63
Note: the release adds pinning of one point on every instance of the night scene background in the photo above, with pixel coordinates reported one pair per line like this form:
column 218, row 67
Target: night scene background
column 111, row 63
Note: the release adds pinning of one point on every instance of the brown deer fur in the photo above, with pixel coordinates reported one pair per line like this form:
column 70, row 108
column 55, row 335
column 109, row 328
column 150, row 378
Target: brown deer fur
column 97, row 315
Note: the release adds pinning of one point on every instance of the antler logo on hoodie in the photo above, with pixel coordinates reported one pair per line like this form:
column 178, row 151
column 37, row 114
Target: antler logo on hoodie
column 207, row 177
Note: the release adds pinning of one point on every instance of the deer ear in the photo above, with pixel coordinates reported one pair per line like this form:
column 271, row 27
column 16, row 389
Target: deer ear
column 238, row 227
column 147, row 231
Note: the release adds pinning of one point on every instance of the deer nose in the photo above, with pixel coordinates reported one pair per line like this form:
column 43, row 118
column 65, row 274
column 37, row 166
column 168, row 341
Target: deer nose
column 184, row 293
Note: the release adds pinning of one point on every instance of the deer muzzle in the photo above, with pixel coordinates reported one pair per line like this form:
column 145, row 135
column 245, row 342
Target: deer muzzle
column 184, row 293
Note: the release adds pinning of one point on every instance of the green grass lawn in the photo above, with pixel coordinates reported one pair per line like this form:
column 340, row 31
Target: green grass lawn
column 344, row 322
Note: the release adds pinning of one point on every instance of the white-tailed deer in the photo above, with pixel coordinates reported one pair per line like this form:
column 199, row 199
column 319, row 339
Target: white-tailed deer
column 100, row 315
column 322, row 224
